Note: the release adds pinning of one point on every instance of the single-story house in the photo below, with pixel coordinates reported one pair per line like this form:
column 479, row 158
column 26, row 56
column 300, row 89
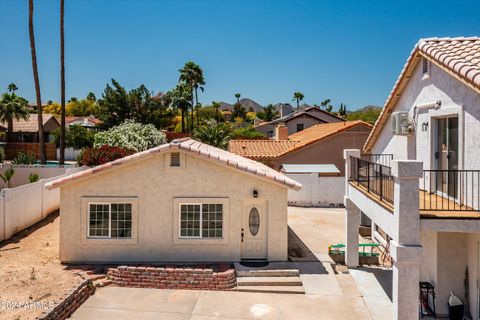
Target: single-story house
column 184, row 201
column 27, row 130
column 320, row 144
column 89, row 122
column 298, row 120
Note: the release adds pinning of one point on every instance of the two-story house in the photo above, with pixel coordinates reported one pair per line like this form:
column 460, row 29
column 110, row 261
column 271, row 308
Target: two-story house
column 418, row 178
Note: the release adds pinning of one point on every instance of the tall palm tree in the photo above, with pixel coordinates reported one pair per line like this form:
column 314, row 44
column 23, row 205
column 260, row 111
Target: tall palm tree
column 216, row 105
column 237, row 95
column 62, row 82
column 192, row 75
column 180, row 97
column 298, row 96
column 37, row 82
column 12, row 107
column 12, row 87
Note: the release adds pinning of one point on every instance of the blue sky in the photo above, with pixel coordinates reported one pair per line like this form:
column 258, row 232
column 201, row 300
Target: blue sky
column 349, row 51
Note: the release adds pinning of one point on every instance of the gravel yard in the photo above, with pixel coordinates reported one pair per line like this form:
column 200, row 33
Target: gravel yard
column 30, row 271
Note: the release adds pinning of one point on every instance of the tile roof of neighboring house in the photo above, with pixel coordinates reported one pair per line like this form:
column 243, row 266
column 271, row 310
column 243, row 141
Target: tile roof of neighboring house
column 194, row 148
column 31, row 124
column 92, row 119
column 277, row 148
column 459, row 57
column 304, row 111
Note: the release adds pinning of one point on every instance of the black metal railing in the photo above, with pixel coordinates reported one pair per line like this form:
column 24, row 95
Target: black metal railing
column 380, row 158
column 374, row 177
column 450, row 190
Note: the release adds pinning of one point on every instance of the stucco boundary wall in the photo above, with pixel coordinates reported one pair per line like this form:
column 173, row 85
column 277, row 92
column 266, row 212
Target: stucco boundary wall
column 73, row 300
column 317, row 191
column 172, row 278
column 22, row 172
column 23, row 206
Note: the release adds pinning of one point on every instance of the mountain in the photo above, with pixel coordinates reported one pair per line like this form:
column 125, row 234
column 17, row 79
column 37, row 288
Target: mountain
column 224, row 106
column 251, row 105
column 283, row 108
column 368, row 113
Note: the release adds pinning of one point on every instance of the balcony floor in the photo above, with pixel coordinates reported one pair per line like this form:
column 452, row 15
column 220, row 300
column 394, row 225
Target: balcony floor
column 428, row 201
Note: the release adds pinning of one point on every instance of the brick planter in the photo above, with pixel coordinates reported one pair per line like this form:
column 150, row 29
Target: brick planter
column 172, row 278
column 73, row 300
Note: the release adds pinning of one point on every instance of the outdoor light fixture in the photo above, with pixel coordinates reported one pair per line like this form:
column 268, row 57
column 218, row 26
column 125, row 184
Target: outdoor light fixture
column 255, row 193
column 425, row 126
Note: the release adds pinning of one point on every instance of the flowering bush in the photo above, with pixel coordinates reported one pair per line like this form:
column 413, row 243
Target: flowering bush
column 131, row 135
column 101, row 155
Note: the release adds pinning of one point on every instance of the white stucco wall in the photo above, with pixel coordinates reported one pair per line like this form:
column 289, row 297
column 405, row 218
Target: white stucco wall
column 21, row 174
column 317, row 191
column 456, row 98
column 156, row 186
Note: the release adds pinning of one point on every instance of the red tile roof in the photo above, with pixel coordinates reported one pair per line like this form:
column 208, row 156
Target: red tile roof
column 277, row 148
column 195, row 148
column 31, row 124
column 459, row 57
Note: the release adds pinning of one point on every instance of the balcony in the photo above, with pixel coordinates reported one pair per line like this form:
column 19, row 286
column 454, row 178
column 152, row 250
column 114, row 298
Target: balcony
column 442, row 194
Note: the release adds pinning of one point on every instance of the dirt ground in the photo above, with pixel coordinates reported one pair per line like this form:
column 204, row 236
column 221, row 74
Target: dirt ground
column 30, row 271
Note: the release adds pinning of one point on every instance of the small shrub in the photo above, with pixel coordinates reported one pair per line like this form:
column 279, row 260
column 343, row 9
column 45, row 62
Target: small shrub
column 101, row 155
column 33, row 177
column 25, row 158
column 7, row 176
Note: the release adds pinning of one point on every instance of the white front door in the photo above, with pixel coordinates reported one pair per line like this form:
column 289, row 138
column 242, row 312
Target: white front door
column 254, row 231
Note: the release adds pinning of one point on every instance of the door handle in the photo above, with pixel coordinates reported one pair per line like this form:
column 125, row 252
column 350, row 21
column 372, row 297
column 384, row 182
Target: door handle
column 242, row 234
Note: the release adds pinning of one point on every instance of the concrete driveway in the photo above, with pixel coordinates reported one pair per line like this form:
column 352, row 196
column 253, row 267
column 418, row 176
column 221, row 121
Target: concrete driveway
column 328, row 295
column 132, row 303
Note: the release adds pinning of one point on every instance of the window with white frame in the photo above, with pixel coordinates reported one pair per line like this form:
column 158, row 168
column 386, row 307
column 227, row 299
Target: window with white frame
column 201, row 220
column 110, row 220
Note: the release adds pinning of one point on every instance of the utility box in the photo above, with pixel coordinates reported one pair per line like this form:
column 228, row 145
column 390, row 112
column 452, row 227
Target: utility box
column 401, row 123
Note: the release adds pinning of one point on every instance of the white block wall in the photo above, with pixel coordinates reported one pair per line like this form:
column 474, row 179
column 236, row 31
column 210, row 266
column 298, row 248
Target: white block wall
column 317, row 191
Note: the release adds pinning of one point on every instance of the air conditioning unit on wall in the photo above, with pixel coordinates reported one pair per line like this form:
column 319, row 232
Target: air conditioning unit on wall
column 401, row 125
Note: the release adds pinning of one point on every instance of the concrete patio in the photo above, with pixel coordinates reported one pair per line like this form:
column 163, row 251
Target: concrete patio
column 328, row 295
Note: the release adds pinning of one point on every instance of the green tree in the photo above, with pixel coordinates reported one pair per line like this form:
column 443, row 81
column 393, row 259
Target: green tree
column 113, row 106
column 180, row 100
column 12, row 87
column 325, row 105
column 214, row 134
column 247, row 133
column 268, row 114
column 237, row 96
column 192, row 75
column 91, row 96
column 12, row 107
column 37, row 82
column 78, row 137
column 298, row 96
column 217, row 105
column 342, row 110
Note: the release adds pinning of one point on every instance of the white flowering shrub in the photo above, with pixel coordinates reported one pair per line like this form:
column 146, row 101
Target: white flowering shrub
column 131, row 135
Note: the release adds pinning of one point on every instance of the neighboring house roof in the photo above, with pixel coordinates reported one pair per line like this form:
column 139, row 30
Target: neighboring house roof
column 277, row 148
column 309, row 168
column 194, row 148
column 90, row 119
column 307, row 112
column 31, row 124
column 459, row 57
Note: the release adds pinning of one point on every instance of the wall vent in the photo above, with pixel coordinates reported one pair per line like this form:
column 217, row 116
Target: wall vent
column 174, row 159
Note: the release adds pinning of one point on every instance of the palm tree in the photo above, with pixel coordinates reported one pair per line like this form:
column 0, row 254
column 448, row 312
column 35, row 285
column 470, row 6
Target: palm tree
column 216, row 105
column 214, row 134
column 299, row 97
column 37, row 82
column 237, row 95
column 12, row 107
column 180, row 97
column 7, row 176
column 192, row 75
column 62, row 82
column 12, row 87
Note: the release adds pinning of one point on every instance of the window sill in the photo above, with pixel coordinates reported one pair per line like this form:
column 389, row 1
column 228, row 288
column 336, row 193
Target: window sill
column 200, row 241
column 109, row 241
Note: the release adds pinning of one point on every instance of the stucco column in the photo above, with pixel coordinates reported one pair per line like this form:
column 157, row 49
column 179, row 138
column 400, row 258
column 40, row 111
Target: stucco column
column 405, row 247
column 347, row 154
column 352, row 221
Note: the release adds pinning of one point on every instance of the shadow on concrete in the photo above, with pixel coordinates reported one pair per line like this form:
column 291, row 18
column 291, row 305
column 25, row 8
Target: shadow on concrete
column 384, row 278
column 16, row 238
column 298, row 250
